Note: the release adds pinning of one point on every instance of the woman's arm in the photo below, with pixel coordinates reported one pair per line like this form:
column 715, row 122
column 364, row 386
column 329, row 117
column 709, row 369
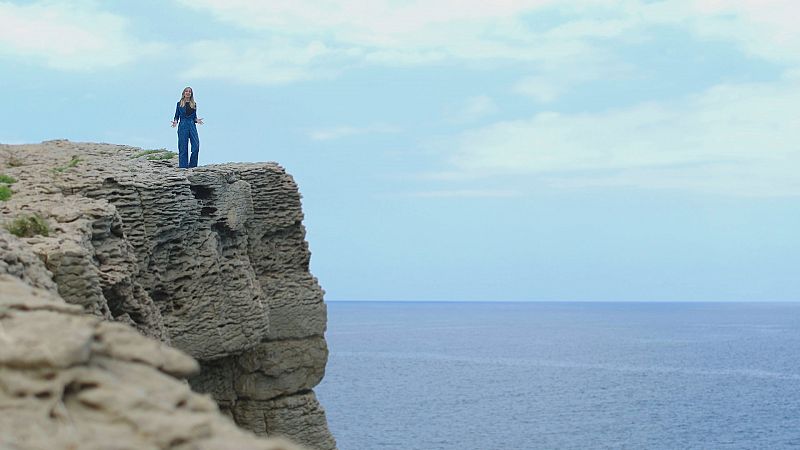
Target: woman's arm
column 177, row 114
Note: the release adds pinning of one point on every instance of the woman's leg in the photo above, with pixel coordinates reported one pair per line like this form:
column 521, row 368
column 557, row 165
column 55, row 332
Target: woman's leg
column 183, row 147
column 195, row 146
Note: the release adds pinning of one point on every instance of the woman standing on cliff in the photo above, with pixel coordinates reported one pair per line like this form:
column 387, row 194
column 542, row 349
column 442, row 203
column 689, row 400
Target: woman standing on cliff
column 186, row 115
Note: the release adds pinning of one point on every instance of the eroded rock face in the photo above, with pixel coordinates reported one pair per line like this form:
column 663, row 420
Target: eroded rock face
column 211, row 260
column 73, row 381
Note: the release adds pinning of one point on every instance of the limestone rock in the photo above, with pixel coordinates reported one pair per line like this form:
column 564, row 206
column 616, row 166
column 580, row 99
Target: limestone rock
column 212, row 261
column 72, row 381
column 269, row 370
column 18, row 260
column 298, row 417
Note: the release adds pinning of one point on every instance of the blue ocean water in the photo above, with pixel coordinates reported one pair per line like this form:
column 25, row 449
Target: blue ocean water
column 563, row 375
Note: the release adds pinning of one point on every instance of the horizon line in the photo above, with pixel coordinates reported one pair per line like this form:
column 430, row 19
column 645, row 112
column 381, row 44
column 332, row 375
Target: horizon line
column 560, row 301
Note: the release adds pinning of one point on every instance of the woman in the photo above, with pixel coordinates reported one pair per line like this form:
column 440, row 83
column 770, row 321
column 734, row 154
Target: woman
column 186, row 115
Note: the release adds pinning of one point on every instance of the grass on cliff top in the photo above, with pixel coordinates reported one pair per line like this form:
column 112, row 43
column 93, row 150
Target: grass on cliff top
column 164, row 155
column 156, row 154
column 148, row 152
column 5, row 189
column 28, row 226
column 72, row 163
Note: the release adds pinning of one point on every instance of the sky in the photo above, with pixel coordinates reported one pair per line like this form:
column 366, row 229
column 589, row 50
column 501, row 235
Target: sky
column 471, row 150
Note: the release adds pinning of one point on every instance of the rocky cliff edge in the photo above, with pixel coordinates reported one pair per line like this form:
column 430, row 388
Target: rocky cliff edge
column 211, row 261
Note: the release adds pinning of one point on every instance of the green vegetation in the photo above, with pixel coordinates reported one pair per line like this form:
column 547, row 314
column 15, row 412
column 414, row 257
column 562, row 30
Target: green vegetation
column 72, row 163
column 156, row 154
column 5, row 188
column 148, row 152
column 162, row 155
column 28, row 226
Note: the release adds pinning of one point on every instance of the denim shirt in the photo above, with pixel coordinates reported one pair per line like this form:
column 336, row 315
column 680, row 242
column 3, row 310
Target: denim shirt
column 180, row 112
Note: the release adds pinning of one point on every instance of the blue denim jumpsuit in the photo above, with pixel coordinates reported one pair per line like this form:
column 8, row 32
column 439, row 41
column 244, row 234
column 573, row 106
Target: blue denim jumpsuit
column 187, row 130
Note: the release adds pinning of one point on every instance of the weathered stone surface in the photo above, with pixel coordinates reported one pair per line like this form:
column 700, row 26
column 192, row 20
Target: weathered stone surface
column 18, row 260
column 70, row 380
column 298, row 417
column 212, row 261
column 269, row 370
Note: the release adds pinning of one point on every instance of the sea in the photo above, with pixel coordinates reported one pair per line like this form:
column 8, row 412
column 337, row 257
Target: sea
column 465, row 375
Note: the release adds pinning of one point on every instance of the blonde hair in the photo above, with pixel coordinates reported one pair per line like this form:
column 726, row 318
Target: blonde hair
column 192, row 103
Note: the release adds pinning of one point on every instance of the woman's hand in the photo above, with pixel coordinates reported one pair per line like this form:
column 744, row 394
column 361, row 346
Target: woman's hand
column 199, row 121
column 174, row 123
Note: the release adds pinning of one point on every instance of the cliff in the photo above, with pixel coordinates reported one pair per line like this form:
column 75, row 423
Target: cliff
column 211, row 261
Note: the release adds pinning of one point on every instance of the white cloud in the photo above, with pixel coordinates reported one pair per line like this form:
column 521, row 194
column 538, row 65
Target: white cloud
column 474, row 108
column 63, row 36
column 544, row 89
column 412, row 32
column 383, row 22
column 329, row 134
column 552, row 80
column 391, row 33
column 764, row 28
column 561, row 44
column 267, row 61
column 739, row 139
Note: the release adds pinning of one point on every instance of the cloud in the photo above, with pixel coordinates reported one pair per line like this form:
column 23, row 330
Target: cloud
column 329, row 134
column 63, row 36
column 403, row 33
column 544, row 89
column 474, row 108
column 763, row 28
column 267, row 61
column 737, row 138
column 551, row 81
column 360, row 33
column 560, row 45
column 382, row 22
